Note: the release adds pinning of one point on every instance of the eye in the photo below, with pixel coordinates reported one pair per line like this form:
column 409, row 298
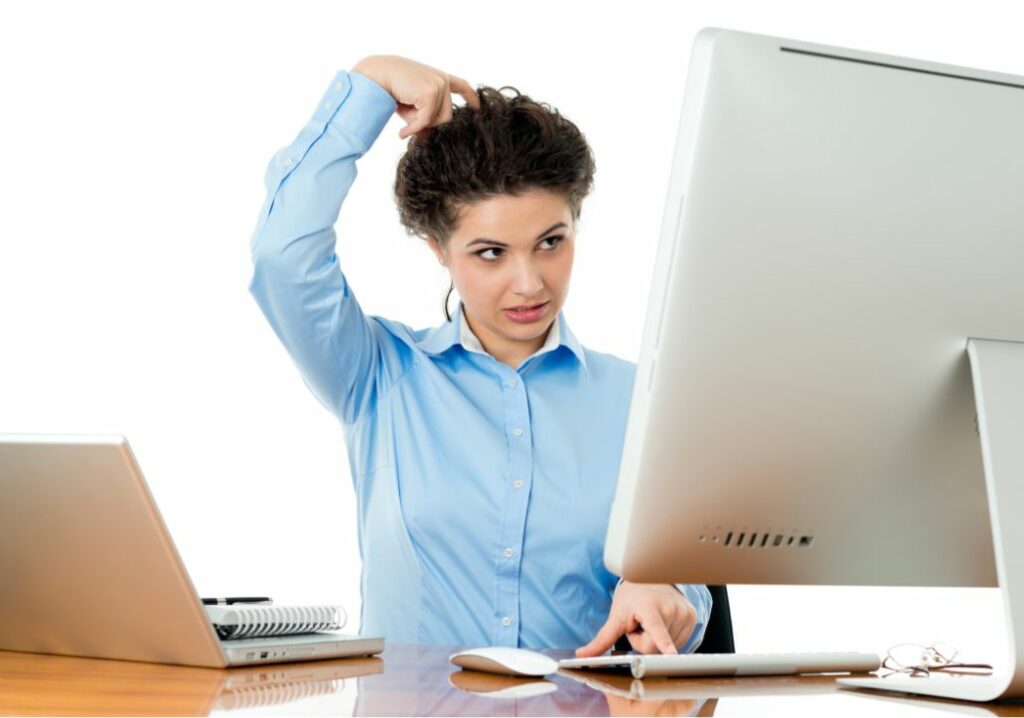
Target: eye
column 489, row 249
column 554, row 239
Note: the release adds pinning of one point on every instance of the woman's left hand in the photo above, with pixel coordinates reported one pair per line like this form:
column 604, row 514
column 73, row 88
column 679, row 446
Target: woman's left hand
column 655, row 617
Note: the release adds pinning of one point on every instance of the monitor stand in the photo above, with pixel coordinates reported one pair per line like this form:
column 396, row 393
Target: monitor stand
column 997, row 370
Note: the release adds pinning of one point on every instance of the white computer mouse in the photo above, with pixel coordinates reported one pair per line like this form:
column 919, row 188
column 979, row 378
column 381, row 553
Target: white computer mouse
column 505, row 660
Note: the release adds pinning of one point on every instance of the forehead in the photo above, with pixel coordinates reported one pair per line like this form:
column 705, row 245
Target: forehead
column 512, row 219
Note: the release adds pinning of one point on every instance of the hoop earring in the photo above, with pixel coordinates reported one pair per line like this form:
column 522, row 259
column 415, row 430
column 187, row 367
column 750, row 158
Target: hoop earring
column 447, row 315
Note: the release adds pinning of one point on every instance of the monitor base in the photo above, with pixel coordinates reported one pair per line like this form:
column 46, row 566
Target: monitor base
column 965, row 688
column 997, row 371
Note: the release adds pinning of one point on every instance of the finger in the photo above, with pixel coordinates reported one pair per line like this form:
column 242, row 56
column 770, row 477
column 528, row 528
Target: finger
column 682, row 627
column 641, row 642
column 413, row 128
column 425, row 109
column 406, row 112
column 443, row 98
column 461, row 87
column 605, row 638
column 445, row 114
column 409, row 130
column 436, row 113
column 656, row 631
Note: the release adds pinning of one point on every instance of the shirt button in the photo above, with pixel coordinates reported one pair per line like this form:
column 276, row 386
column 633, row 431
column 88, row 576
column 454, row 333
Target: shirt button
column 337, row 85
column 509, row 553
column 518, row 483
column 328, row 105
column 506, row 621
column 517, row 431
column 512, row 383
column 288, row 162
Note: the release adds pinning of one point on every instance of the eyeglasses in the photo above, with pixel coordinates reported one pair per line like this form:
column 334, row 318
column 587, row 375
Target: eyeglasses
column 919, row 661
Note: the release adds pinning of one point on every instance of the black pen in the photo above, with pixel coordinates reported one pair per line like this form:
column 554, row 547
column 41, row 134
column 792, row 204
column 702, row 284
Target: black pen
column 236, row 599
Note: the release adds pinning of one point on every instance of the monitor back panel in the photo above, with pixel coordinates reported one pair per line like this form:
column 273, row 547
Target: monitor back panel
column 838, row 224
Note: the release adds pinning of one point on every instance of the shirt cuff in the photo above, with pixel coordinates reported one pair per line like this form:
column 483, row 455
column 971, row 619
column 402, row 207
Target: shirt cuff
column 356, row 104
column 700, row 597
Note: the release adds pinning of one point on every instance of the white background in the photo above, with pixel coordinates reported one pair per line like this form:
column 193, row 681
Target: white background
column 134, row 140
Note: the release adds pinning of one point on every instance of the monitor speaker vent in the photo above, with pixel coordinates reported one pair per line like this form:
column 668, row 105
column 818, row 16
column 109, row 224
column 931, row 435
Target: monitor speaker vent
column 742, row 538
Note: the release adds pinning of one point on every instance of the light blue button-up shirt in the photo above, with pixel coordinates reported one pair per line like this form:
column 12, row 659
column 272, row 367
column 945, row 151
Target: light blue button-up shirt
column 483, row 490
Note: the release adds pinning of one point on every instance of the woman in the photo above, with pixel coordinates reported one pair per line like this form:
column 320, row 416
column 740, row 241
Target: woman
column 484, row 451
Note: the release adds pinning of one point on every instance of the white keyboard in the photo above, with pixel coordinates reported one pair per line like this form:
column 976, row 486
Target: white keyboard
column 730, row 664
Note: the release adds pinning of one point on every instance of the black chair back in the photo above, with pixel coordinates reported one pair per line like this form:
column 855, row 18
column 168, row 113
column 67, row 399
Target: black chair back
column 718, row 635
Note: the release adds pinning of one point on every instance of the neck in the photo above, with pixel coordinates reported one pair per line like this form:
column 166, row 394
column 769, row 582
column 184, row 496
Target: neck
column 508, row 352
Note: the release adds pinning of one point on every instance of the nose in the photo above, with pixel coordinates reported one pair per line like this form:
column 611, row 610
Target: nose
column 527, row 282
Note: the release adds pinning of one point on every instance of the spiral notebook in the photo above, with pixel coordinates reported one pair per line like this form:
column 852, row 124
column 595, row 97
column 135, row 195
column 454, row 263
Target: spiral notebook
column 247, row 621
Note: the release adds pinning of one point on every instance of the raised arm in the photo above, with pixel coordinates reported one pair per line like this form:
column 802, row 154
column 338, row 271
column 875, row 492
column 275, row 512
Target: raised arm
column 344, row 357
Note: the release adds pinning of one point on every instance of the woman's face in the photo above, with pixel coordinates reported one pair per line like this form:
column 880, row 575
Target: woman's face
column 510, row 252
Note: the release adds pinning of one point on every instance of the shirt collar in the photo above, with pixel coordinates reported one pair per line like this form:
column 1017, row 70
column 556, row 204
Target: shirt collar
column 457, row 331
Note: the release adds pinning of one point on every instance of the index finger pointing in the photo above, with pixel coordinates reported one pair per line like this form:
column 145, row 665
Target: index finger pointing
column 605, row 638
column 657, row 632
column 463, row 88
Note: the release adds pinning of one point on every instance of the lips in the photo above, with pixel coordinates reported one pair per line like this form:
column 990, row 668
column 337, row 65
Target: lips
column 526, row 307
column 528, row 315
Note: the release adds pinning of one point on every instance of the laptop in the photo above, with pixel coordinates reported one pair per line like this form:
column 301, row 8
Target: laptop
column 89, row 569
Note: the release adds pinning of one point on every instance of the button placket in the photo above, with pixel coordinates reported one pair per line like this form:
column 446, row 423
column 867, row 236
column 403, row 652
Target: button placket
column 517, row 423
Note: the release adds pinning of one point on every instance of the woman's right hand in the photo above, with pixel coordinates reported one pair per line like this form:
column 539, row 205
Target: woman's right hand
column 422, row 92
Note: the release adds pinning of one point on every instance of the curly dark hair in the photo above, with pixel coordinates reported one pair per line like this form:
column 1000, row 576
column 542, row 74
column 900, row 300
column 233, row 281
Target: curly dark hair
column 510, row 145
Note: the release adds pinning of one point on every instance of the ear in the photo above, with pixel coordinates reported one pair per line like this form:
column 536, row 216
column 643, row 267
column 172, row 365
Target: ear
column 435, row 247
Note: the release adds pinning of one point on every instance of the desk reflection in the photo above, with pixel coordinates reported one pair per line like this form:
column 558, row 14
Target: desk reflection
column 421, row 681
column 417, row 680
column 264, row 686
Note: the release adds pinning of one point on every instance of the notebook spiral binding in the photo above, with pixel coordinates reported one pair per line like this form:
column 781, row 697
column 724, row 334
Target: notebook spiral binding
column 263, row 621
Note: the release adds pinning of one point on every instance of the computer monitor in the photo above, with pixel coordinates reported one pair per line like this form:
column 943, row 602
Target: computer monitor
column 830, row 387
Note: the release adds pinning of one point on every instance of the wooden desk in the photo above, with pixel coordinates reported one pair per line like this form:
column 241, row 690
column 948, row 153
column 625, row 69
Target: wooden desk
column 416, row 680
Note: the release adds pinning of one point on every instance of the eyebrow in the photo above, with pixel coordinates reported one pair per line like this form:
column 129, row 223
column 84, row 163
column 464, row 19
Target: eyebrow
column 484, row 240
